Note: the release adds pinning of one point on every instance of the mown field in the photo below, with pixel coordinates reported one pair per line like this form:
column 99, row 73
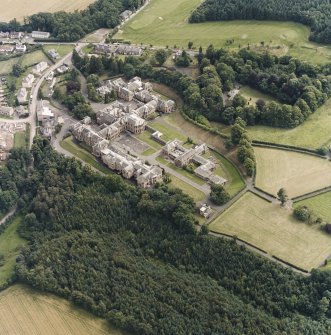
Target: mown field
column 29, row 312
column 298, row 173
column 165, row 23
column 10, row 245
column 21, row 8
column 313, row 133
column 273, row 229
column 186, row 188
column 62, row 49
column 320, row 204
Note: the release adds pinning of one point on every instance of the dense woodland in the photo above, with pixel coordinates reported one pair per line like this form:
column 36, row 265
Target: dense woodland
column 314, row 13
column 134, row 257
column 73, row 26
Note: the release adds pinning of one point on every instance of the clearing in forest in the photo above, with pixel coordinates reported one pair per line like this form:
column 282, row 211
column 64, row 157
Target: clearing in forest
column 298, row 173
column 27, row 311
column 273, row 229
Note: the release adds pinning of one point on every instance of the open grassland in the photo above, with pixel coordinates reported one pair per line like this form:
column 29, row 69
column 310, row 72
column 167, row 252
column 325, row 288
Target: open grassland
column 21, row 8
column 78, row 151
column 320, row 204
column 186, row 188
column 10, row 245
column 273, row 229
column 62, row 49
column 166, row 23
column 33, row 58
column 29, row 312
column 298, row 173
column 6, row 66
column 313, row 133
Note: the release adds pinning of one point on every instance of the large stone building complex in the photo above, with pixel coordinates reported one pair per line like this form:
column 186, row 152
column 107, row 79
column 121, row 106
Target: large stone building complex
column 130, row 114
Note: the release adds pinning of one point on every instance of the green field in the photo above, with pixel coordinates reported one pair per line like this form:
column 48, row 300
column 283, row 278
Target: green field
column 62, row 49
column 320, row 204
column 146, row 137
column 20, row 140
column 30, row 312
column 313, row 133
column 273, row 229
column 299, row 173
column 33, row 58
column 6, row 66
column 253, row 95
column 10, row 244
column 186, row 188
column 165, row 23
column 84, row 155
column 169, row 133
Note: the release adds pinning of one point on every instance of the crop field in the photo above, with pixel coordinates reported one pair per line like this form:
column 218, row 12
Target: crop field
column 298, row 173
column 164, row 23
column 29, row 312
column 313, row 133
column 10, row 244
column 320, row 204
column 21, row 8
column 273, row 229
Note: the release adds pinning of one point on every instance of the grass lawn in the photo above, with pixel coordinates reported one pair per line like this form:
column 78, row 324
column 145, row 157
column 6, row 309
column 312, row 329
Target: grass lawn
column 6, row 66
column 251, row 93
column 62, row 49
column 298, row 173
column 146, row 137
column 165, row 23
column 183, row 172
column 169, row 133
column 20, row 140
column 273, row 229
column 149, row 152
column 313, row 133
column 84, row 155
column 186, row 188
column 28, row 311
column 33, row 58
column 10, row 244
column 320, row 204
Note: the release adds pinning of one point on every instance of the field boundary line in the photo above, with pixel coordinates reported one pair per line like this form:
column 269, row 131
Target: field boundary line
column 312, row 194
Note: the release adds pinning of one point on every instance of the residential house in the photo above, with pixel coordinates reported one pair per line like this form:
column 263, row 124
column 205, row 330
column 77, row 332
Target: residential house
column 22, row 95
column 5, row 48
column 62, row 69
column 28, row 80
column 125, row 15
column 53, row 54
column 20, row 48
column 40, row 68
column 15, row 35
column 40, row 34
column 44, row 112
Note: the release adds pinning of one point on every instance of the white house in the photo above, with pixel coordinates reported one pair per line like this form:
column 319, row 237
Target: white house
column 21, row 95
column 28, row 80
column 20, row 48
column 41, row 34
column 40, row 68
